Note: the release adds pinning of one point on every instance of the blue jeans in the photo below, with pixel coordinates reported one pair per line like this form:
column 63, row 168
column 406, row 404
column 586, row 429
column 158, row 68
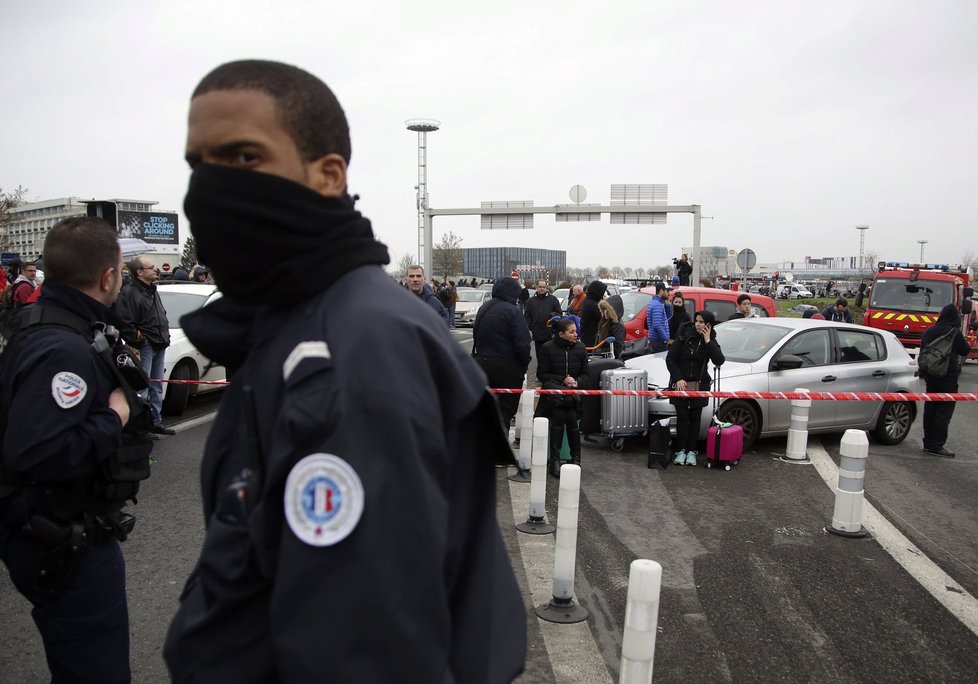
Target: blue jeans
column 151, row 358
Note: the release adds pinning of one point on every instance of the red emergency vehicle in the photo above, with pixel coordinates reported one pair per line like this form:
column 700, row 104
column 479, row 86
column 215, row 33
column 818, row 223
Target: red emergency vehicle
column 906, row 299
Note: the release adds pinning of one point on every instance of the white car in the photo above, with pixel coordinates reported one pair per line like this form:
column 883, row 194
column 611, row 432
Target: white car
column 795, row 291
column 467, row 306
column 182, row 361
column 784, row 354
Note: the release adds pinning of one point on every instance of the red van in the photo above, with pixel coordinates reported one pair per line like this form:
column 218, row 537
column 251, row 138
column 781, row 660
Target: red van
column 722, row 303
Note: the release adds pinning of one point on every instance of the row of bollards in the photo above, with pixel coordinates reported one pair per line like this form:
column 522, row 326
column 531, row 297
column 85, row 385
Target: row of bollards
column 645, row 576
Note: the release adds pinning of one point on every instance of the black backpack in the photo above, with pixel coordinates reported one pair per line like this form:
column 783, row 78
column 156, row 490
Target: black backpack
column 934, row 359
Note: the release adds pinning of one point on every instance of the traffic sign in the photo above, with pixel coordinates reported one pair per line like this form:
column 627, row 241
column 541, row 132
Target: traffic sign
column 166, row 267
column 747, row 259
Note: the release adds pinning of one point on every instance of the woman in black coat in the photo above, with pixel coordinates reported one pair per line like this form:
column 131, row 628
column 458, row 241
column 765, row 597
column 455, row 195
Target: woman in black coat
column 562, row 365
column 679, row 315
column 695, row 345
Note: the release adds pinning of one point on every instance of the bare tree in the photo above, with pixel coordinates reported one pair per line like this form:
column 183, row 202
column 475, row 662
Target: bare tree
column 446, row 256
column 969, row 262
column 9, row 201
column 404, row 261
column 869, row 264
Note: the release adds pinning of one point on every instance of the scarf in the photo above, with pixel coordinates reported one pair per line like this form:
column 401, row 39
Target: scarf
column 269, row 240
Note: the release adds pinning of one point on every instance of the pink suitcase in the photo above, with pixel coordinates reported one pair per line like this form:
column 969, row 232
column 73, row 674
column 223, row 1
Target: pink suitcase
column 724, row 446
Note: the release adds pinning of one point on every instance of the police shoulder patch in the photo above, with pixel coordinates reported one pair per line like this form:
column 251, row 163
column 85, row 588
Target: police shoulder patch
column 68, row 389
column 324, row 499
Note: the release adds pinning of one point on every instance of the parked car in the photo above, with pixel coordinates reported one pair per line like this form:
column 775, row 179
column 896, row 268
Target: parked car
column 802, row 308
column 722, row 303
column 795, row 291
column 467, row 306
column 783, row 354
column 182, row 361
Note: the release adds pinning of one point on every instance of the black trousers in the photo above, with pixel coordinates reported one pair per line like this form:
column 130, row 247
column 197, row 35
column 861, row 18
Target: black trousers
column 504, row 373
column 564, row 418
column 687, row 425
column 537, row 345
column 937, row 414
column 86, row 630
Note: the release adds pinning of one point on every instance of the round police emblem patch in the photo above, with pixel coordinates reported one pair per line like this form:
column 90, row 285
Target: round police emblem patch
column 323, row 499
column 68, row 389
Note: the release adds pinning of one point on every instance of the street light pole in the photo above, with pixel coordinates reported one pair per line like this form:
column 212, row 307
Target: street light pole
column 422, row 127
column 862, row 244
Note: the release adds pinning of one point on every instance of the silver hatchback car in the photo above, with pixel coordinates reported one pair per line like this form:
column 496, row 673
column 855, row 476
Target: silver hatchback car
column 783, row 354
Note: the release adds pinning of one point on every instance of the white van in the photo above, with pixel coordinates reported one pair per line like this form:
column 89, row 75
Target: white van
column 794, row 291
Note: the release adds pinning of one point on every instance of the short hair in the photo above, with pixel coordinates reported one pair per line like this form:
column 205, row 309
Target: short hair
column 415, row 267
column 308, row 109
column 841, row 301
column 742, row 298
column 78, row 250
column 565, row 324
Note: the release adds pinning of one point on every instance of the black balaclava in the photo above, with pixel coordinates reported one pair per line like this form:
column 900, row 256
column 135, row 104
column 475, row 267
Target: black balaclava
column 269, row 240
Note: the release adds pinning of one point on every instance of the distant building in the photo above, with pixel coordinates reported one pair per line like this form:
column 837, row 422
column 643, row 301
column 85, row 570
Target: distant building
column 533, row 263
column 33, row 220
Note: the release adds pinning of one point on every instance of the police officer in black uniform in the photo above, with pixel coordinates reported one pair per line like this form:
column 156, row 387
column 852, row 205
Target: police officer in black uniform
column 348, row 480
column 70, row 458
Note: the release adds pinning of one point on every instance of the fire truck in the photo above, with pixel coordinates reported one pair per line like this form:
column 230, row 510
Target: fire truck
column 907, row 298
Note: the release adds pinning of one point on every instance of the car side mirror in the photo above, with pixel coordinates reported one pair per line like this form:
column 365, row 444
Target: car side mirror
column 969, row 292
column 966, row 307
column 788, row 362
column 974, row 325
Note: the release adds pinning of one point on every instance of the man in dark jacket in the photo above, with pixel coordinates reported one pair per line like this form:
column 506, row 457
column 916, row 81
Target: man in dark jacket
column 350, row 469
column 501, row 344
column 562, row 364
column 937, row 414
column 591, row 314
column 539, row 309
column 838, row 312
column 743, row 308
column 421, row 289
column 64, row 414
column 145, row 327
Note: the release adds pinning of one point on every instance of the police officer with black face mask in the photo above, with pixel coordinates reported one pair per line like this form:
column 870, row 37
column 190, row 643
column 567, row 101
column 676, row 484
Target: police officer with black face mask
column 74, row 449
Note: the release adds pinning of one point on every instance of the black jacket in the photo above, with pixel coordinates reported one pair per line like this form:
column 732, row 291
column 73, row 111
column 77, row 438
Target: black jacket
column 425, row 558
column 591, row 314
column 688, row 359
column 431, row 299
column 949, row 319
column 142, row 314
column 54, row 391
column 500, row 330
column 679, row 317
column 539, row 310
column 558, row 359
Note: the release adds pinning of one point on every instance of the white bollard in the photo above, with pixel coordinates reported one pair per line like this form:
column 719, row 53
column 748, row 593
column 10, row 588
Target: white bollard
column 562, row 607
column 536, row 523
column 641, row 621
column 520, row 427
column 847, row 518
column 526, row 443
column 797, row 449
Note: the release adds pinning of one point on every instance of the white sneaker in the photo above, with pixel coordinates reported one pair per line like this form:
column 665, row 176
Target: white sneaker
column 680, row 458
column 691, row 458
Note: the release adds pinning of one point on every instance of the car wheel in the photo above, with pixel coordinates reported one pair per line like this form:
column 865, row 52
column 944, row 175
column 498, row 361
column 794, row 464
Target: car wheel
column 175, row 401
column 895, row 421
column 744, row 414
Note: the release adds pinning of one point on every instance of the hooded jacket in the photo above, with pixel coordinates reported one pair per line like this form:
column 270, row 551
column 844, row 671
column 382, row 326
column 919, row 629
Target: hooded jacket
column 591, row 314
column 611, row 326
column 500, row 330
column 949, row 319
column 689, row 355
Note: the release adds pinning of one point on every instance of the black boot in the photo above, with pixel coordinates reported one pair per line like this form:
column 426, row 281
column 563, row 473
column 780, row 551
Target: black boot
column 574, row 443
column 556, row 437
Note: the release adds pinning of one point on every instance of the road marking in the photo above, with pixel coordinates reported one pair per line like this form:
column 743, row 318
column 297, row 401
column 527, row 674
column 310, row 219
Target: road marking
column 573, row 653
column 938, row 583
column 194, row 422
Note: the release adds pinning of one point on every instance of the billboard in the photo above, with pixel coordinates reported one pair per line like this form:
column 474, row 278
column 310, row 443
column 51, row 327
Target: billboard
column 154, row 227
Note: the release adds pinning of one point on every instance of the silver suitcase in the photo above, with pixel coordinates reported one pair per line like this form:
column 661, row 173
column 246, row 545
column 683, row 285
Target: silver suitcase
column 621, row 415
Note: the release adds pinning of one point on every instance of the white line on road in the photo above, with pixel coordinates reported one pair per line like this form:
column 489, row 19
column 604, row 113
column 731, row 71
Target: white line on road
column 194, row 422
column 938, row 583
column 573, row 653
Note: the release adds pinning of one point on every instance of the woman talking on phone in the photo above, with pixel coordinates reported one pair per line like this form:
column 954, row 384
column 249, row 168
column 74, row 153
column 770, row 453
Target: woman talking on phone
column 696, row 345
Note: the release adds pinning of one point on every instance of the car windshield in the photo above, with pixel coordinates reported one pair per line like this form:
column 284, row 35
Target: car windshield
column 179, row 303
column 634, row 302
column 929, row 296
column 471, row 295
column 746, row 341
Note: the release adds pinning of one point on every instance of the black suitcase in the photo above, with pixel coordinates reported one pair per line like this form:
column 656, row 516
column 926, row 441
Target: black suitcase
column 591, row 406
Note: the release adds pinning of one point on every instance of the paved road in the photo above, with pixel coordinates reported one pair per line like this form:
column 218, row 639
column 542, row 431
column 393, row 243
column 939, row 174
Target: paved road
column 753, row 589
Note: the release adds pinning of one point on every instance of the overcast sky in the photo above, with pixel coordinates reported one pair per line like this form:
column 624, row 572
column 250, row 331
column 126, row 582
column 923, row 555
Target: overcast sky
column 788, row 122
